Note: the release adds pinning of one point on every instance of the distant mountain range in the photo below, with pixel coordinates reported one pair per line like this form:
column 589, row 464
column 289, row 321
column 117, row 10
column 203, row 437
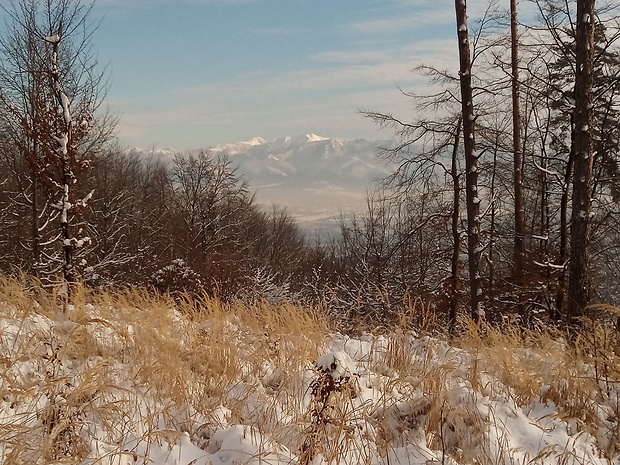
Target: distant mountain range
column 315, row 177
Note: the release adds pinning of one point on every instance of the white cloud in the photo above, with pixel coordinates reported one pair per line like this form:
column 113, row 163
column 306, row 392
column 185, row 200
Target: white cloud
column 325, row 96
column 364, row 70
column 429, row 15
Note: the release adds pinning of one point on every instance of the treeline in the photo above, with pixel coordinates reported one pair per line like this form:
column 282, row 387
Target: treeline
column 75, row 208
column 187, row 223
column 484, row 214
column 506, row 197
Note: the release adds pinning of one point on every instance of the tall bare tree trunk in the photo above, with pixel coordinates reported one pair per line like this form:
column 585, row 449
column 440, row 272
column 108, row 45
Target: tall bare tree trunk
column 471, row 160
column 36, row 234
column 578, row 283
column 519, row 239
column 65, row 141
column 491, row 291
column 564, row 232
column 456, row 235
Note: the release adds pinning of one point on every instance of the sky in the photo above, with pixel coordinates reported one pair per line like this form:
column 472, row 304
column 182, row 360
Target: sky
column 193, row 73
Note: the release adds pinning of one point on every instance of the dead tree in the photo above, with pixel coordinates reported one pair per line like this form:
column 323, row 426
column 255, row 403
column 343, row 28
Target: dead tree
column 519, row 239
column 471, row 160
column 578, row 283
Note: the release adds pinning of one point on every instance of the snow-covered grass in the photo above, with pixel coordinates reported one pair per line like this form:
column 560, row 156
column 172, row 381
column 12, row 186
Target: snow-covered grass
column 130, row 378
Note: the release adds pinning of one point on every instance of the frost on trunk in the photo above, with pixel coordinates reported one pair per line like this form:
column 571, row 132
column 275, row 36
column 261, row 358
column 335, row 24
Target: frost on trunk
column 50, row 98
column 471, row 160
column 64, row 159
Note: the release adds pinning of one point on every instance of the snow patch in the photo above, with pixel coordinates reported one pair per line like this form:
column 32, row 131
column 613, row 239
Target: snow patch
column 339, row 365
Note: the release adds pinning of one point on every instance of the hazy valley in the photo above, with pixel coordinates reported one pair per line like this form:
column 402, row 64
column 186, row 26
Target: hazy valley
column 314, row 177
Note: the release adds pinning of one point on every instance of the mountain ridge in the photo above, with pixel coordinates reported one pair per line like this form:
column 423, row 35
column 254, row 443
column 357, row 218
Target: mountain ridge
column 317, row 178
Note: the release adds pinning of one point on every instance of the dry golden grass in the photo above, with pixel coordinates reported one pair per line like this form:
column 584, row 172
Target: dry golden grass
column 578, row 376
column 131, row 361
column 182, row 352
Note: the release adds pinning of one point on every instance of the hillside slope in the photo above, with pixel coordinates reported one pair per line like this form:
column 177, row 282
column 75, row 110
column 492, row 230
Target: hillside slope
column 131, row 379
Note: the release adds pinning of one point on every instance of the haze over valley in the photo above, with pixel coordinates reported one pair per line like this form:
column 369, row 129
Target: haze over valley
column 316, row 178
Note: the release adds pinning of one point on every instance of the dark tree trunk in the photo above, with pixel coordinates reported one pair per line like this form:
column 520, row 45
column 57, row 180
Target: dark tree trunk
column 519, row 239
column 456, row 236
column 562, row 255
column 578, row 285
column 471, row 160
column 491, row 247
column 62, row 152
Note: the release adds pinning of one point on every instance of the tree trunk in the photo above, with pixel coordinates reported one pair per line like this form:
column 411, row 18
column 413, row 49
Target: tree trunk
column 559, row 299
column 64, row 146
column 36, row 234
column 578, row 284
column 519, row 239
column 471, row 161
column 491, row 292
column 456, row 236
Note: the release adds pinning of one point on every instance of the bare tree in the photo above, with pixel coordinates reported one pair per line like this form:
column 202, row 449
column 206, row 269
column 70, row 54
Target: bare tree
column 113, row 217
column 471, row 160
column 427, row 165
column 519, row 223
column 578, row 285
column 20, row 90
column 205, row 186
column 285, row 245
column 50, row 98
column 213, row 206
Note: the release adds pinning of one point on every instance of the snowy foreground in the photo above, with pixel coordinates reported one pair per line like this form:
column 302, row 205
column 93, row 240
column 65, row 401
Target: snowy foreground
column 121, row 382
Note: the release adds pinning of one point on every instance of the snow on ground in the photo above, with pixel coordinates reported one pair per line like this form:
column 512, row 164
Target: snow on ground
column 90, row 389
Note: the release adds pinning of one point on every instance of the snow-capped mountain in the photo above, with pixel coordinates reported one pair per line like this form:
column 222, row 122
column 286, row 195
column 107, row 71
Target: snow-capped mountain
column 315, row 177
column 307, row 159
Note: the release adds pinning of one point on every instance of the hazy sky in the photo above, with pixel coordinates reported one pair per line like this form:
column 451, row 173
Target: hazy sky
column 191, row 73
